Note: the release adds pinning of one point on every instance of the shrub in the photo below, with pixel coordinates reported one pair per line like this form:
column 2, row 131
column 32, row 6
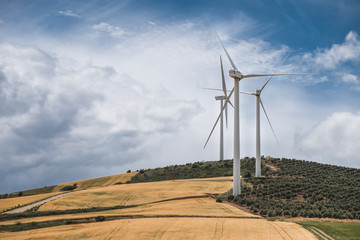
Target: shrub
column 69, row 187
column 100, row 218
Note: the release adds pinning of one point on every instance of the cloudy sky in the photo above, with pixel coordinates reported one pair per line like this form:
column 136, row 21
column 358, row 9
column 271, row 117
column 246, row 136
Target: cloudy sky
column 94, row 88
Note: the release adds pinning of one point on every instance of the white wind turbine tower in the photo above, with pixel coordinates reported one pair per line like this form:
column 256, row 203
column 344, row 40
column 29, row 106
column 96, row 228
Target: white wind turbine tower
column 258, row 103
column 237, row 76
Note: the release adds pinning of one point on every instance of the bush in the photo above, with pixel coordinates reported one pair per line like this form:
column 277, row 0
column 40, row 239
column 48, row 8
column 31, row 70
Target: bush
column 219, row 200
column 100, row 218
column 231, row 197
column 69, row 187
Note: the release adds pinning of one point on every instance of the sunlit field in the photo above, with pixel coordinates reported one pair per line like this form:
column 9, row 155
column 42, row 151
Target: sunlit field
column 8, row 203
column 199, row 207
column 171, row 228
column 98, row 182
column 131, row 194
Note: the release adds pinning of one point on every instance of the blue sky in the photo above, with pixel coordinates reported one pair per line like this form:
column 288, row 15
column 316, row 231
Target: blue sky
column 94, row 88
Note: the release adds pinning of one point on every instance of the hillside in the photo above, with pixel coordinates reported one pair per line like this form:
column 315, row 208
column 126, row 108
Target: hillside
column 182, row 196
column 289, row 187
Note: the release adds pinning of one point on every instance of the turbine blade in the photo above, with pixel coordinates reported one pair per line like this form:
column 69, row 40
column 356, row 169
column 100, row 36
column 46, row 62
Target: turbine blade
column 248, row 93
column 227, row 54
column 224, row 89
column 274, row 72
column 223, row 78
column 268, row 120
column 217, row 120
column 213, row 89
column 226, row 114
column 268, row 75
column 230, row 103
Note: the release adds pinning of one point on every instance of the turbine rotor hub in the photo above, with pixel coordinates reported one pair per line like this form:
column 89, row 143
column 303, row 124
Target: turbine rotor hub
column 235, row 74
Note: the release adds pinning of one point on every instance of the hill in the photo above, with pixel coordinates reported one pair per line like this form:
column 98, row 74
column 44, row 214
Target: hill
column 170, row 201
column 289, row 188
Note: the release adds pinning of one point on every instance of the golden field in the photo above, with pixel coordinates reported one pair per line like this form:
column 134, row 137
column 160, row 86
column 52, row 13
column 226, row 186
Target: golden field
column 179, row 209
column 8, row 203
column 171, row 228
column 98, row 182
column 196, row 207
column 139, row 193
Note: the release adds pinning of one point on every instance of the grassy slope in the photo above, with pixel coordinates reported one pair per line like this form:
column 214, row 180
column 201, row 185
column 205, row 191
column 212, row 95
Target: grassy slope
column 337, row 230
column 98, row 182
column 82, row 184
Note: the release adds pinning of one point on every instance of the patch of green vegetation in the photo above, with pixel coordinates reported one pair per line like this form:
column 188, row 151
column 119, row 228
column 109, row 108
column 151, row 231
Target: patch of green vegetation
column 69, row 187
column 35, row 191
column 196, row 170
column 337, row 230
column 32, row 225
column 301, row 188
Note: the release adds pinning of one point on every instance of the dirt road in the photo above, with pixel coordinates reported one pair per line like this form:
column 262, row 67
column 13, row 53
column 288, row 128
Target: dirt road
column 30, row 206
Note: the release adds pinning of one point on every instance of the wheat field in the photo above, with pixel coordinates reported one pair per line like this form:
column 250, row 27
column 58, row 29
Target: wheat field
column 139, row 193
column 98, row 182
column 180, row 209
column 8, row 203
column 197, row 207
column 171, row 228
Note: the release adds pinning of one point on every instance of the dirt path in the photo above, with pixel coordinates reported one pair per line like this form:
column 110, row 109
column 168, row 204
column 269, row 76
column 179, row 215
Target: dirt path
column 321, row 233
column 36, row 204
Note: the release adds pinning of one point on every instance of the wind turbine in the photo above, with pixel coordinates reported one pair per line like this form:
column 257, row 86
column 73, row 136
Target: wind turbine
column 237, row 76
column 221, row 99
column 258, row 103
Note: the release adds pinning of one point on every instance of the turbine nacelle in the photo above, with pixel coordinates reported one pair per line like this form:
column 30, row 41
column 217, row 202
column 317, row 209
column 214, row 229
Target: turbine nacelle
column 220, row 98
column 235, row 74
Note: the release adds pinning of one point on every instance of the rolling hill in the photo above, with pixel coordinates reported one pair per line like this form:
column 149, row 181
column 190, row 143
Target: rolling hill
column 290, row 189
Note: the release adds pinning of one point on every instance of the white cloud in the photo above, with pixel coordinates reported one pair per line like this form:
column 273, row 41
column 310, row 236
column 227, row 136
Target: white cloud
column 349, row 50
column 52, row 117
column 69, row 13
column 336, row 138
column 114, row 31
column 350, row 78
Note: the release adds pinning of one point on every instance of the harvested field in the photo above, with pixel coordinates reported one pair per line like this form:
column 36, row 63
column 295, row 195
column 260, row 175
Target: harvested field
column 98, row 182
column 197, row 207
column 171, row 228
column 140, row 193
column 8, row 203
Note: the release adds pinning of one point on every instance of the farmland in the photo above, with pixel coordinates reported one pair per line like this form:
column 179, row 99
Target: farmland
column 8, row 203
column 152, row 203
column 131, row 194
column 171, row 228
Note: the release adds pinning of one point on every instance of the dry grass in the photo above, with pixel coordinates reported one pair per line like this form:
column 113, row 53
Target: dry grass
column 171, row 228
column 140, row 193
column 98, row 182
column 8, row 203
